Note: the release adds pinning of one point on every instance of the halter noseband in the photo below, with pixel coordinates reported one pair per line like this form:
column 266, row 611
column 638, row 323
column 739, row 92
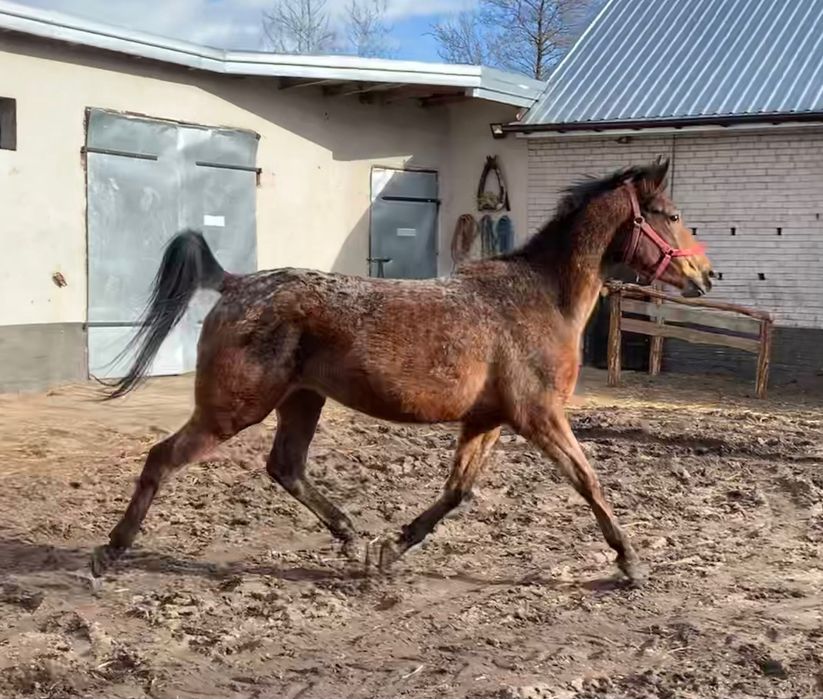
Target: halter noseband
column 641, row 227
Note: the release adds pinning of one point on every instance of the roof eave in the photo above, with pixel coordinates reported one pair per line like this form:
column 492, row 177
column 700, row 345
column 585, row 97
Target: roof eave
column 502, row 98
column 476, row 81
column 719, row 121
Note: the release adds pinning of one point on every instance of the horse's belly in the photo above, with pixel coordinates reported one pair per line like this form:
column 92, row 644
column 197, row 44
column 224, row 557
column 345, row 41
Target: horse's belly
column 438, row 394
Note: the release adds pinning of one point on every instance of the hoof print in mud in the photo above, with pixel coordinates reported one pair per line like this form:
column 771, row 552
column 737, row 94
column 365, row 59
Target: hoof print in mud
column 102, row 559
column 381, row 553
column 635, row 572
column 713, row 590
column 353, row 550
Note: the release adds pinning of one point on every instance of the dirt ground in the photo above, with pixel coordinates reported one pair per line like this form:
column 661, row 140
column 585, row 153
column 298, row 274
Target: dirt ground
column 235, row 591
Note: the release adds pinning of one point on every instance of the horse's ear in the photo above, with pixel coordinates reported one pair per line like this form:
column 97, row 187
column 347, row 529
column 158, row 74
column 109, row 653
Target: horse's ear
column 658, row 172
column 653, row 177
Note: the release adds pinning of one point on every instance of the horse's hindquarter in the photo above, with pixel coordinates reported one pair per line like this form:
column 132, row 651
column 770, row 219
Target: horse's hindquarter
column 415, row 351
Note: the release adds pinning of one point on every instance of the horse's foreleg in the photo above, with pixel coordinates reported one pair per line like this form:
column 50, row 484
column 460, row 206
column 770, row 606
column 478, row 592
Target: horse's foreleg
column 297, row 419
column 189, row 443
column 554, row 436
column 473, row 450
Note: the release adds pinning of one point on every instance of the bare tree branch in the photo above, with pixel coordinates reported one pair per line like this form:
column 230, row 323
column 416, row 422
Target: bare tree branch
column 366, row 28
column 525, row 36
column 299, row 26
column 463, row 39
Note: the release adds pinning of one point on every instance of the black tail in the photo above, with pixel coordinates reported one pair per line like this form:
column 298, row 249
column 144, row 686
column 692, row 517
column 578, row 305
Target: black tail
column 188, row 265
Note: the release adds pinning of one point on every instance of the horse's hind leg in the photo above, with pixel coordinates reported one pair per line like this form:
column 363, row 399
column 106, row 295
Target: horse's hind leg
column 297, row 419
column 192, row 441
column 554, row 436
column 473, row 450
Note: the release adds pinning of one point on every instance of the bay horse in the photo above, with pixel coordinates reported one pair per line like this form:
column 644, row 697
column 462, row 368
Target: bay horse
column 495, row 344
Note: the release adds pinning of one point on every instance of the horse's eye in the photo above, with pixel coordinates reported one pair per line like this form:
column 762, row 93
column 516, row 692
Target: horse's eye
column 674, row 218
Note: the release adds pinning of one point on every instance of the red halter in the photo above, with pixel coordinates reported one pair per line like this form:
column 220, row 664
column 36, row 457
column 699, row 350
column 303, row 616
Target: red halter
column 641, row 227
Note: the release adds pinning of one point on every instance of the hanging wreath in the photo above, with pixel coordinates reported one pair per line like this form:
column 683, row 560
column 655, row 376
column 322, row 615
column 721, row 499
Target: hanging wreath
column 492, row 201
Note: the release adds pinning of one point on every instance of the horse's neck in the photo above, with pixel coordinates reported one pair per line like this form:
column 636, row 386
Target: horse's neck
column 577, row 295
column 572, row 260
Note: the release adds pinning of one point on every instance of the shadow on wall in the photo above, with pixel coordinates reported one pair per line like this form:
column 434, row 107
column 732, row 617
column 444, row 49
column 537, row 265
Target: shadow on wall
column 339, row 127
column 297, row 113
column 355, row 251
column 360, row 131
column 342, row 129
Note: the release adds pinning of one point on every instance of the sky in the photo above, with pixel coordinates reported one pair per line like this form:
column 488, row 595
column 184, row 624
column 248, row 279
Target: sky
column 236, row 23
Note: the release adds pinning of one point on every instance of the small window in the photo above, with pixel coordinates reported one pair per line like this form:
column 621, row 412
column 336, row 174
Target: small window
column 8, row 123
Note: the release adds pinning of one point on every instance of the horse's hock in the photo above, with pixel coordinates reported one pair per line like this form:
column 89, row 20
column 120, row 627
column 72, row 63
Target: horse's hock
column 647, row 311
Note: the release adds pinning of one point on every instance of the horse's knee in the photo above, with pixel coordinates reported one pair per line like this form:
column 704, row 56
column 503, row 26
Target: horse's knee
column 161, row 452
column 167, row 456
column 282, row 472
column 158, row 463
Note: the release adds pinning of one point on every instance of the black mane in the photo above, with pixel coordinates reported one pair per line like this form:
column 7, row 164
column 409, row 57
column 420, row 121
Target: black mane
column 577, row 196
column 554, row 238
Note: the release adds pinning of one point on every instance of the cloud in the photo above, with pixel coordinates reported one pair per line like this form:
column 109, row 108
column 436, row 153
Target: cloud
column 403, row 9
column 222, row 23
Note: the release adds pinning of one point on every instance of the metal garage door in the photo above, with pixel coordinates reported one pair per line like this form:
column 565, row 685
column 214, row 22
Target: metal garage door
column 403, row 235
column 147, row 180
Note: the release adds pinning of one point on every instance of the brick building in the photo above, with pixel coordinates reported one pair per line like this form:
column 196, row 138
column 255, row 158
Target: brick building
column 732, row 93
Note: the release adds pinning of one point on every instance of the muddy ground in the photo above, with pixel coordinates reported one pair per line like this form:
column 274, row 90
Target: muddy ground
column 235, row 591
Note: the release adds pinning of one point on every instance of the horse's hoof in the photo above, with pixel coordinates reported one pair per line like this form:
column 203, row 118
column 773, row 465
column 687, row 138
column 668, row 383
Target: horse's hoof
column 371, row 556
column 633, row 569
column 389, row 553
column 101, row 559
column 380, row 554
column 353, row 550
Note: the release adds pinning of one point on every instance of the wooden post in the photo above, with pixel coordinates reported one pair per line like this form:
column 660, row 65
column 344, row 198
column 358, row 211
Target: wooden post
column 615, row 313
column 656, row 344
column 764, row 357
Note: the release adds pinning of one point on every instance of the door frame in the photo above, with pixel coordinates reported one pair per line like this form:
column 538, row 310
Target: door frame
column 85, row 150
column 438, row 202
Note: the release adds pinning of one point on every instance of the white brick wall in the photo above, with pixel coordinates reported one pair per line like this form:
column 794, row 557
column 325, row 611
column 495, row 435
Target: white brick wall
column 754, row 182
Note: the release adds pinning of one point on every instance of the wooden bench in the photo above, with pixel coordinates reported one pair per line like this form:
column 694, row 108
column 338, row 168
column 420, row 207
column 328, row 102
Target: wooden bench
column 663, row 315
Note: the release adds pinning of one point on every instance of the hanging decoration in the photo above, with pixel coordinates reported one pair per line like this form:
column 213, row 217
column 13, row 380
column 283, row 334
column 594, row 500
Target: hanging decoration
column 504, row 234
column 492, row 201
column 465, row 233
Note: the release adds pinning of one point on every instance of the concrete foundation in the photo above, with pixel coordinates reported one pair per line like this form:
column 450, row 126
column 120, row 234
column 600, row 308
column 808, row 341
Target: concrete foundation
column 33, row 357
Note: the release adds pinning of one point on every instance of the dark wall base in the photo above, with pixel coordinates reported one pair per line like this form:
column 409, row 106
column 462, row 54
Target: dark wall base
column 797, row 353
column 634, row 350
column 33, row 357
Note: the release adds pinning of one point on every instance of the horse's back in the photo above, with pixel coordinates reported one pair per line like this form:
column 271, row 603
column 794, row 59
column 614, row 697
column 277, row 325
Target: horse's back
column 400, row 349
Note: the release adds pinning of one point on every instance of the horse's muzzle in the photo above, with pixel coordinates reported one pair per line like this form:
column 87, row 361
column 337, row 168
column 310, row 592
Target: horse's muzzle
column 694, row 290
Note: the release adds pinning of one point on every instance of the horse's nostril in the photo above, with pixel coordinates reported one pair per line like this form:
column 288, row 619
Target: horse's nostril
column 712, row 275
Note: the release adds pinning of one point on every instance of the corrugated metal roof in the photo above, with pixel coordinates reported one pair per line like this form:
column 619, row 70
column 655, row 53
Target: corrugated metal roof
column 643, row 60
column 476, row 81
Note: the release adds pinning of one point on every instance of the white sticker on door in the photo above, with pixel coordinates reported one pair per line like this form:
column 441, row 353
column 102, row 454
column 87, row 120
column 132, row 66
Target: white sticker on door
column 406, row 232
column 214, row 221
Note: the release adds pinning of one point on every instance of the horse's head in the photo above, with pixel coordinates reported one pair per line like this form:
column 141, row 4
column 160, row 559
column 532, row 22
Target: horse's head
column 655, row 242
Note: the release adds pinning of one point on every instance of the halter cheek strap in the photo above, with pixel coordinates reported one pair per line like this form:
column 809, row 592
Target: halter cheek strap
column 640, row 228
